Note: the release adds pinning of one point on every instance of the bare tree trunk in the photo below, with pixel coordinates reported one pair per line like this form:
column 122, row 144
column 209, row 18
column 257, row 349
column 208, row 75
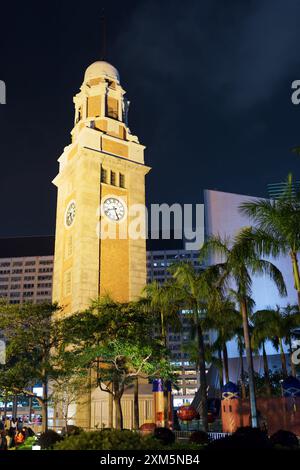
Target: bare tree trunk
column 220, row 370
column 15, row 407
column 45, row 406
column 136, row 404
column 252, row 396
column 266, row 371
column 30, row 408
column 283, row 359
column 225, row 362
column 203, row 386
column 296, row 274
column 118, row 411
column 110, row 411
column 243, row 387
column 5, row 404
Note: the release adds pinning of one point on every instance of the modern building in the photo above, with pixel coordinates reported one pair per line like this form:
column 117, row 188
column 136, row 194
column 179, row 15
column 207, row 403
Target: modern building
column 26, row 269
column 276, row 190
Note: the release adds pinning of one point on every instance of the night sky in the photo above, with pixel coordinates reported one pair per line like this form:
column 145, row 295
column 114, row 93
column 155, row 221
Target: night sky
column 209, row 83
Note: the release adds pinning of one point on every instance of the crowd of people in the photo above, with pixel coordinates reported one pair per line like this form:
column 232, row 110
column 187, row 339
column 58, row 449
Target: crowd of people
column 13, row 432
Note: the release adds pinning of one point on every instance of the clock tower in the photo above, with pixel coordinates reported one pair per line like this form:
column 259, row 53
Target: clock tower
column 101, row 177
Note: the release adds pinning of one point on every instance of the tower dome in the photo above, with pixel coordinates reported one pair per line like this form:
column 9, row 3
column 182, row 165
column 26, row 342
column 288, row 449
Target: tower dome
column 101, row 69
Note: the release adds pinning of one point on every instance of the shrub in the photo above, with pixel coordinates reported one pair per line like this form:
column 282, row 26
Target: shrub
column 285, row 439
column 252, row 437
column 199, row 437
column 244, row 438
column 48, row 438
column 164, row 435
column 118, row 440
column 105, row 440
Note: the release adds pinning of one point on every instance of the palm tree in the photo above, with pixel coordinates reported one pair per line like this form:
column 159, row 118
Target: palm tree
column 278, row 338
column 241, row 348
column 290, row 319
column 161, row 300
column 191, row 348
column 195, row 289
column 277, row 227
column 240, row 262
column 225, row 321
column 283, row 322
column 263, row 331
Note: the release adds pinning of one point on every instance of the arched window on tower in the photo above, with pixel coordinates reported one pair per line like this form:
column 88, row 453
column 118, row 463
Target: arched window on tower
column 112, row 108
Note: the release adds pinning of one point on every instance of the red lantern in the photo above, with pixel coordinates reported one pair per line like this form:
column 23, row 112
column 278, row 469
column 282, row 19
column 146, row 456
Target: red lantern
column 186, row 413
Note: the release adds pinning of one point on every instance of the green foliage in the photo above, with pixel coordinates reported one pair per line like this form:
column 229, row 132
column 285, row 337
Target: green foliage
column 163, row 303
column 116, row 440
column 30, row 334
column 275, row 378
column 27, row 445
column 116, row 341
column 240, row 261
column 277, row 220
column 277, row 227
column 104, row 440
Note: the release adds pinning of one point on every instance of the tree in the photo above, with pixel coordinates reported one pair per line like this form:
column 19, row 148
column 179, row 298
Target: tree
column 112, row 339
column 225, row 321
column 240, row 261
column 32, row 337
column 67, row 390
column 123, row 363
column 282, row 323
column 263, row 321
column 241, row 348
column 163, row 303
column 197, row 295
column 290, row 321
column 191, row 348
column 277, row 227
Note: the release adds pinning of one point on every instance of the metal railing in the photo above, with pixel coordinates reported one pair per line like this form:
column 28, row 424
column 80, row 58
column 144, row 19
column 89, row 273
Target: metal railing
column 213, row 436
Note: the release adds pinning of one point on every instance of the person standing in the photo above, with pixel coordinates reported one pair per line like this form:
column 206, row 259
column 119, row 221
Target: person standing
column 10, row 438
column 3, row 441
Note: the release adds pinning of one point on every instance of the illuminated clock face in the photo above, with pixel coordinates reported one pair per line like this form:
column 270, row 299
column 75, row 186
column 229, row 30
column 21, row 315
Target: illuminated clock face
column 70, row 214
column 114, row 209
